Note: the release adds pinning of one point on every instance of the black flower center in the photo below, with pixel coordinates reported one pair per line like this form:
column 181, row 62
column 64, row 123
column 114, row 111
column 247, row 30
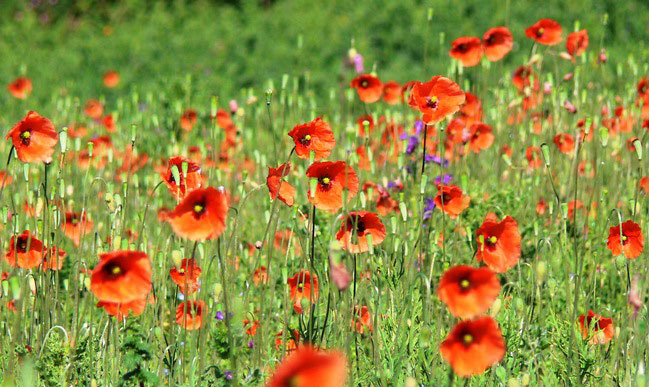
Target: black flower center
column 26, row 137
column 114, row 270
column 21, row 246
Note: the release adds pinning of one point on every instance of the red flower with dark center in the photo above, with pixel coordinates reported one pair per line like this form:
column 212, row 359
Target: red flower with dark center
column 201, row 215
column 545, row 31
column 354, row 231
column 279, row 188
column 189, row 180
column 189, row 314
column 300, row 285
column 467, row 49
column 599, row 329
column 577, row 43
column 111, row 79
column 468, row 292
column 392, row 93
column 499, row 243
column 473, row 346
column 471, row 111
column 188, row 119
column 630, row 241
column 25, row 251
column 369, row 87
column 481, row 137
column 333, row 177
column 307, row 367
column 121, row 277
column 565, row 142
column 436, row 99
column 497, row 43
column 313, row 136
column 186, row 276
column 20, row 88
column 34, row 138
column 451, row 200
column 76, row 226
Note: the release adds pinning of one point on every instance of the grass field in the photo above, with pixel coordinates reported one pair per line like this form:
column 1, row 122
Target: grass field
column 216, row 193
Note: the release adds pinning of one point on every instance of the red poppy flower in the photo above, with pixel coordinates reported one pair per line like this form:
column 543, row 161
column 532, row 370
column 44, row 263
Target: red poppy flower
column 300, row 285
column 306, row 367
column 361, row 126
column 333, row 177
column 77, row 131
column 473, row 346
column 534, row 158
column 53, row 259
column 313, row 136
column 76, row 226
column 186, row 276
column 599, row 329
column 260, row 275
column 122, row 310
column 109, row 123
column 283, row 240
column 644, row 185
column 565, row 142
column 468, row 292
column 189, row 314
column 111, row 78
column 451, row 200
column 356, row 227
column 223, row 119
column 188, row 181
column 364, row 162
column 467, row 49
column 34, row 138
column 20, row 88
column 385, row 205
column 545, row 31
column 188, row 119
column 25, row 251
column 94, row 109
column 369, row 88
column 631, row 242
column 291, row 343
column 541, row 207
column 629, row 143
column 201, row 215
column 572, row 206
column 481, row 137
column 362, row 319
column 523, row 77
column 499, row 243
column 251, row 328
column 577, row 43
column 392, row 93
column 279, row 188
column 4, row 177
column 471, row 111
column 436, row 99
column 497, row 43
column 121, row 276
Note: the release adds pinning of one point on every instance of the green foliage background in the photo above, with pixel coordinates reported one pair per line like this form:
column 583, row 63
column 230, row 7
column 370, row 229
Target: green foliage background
column 227, row 45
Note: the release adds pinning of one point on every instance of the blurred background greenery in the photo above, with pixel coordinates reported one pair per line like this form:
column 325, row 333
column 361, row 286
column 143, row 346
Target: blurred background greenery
column 65, row 45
